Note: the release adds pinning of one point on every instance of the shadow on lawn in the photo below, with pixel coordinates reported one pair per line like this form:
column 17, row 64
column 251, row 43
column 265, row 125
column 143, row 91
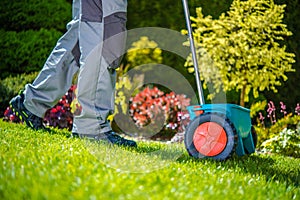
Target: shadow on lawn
column 276, row 168
column 273, row 168
column 282, row 169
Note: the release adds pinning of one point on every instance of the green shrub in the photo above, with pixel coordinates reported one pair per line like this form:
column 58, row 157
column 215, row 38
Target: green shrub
column 10, row 86
column 230, row 48
column 25, row 51
column 287, row 143
column 265, row 133
column 34, row 14
column 279, row 131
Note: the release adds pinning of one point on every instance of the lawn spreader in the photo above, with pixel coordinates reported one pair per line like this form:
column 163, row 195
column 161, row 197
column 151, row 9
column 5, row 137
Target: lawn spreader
column 216, row 130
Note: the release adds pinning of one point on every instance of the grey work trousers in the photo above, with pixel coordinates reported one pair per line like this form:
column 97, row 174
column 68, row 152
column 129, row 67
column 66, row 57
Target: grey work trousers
column 93, row 44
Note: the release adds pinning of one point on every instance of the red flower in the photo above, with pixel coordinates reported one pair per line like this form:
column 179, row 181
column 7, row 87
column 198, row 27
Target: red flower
column 152, row 105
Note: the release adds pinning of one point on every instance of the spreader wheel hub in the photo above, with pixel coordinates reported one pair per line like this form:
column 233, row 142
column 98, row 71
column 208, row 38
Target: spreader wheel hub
column 210, row 139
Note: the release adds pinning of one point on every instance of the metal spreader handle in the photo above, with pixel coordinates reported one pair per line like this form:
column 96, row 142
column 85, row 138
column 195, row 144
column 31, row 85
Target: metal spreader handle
column 193, row 50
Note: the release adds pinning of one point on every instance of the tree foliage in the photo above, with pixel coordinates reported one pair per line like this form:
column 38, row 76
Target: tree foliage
column 242, row 49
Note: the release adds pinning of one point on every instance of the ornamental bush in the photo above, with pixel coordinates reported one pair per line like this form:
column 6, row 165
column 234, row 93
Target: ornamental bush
column 147, row 107
column 287, row 143
column 152, row 106
column 241, row 45
column 60, row 116
column 279, row 131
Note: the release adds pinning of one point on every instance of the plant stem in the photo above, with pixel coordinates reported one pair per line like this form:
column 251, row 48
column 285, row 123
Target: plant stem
column 242, row 96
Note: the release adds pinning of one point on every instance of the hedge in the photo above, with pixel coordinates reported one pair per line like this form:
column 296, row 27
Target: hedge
column 34, row 14
column 25, row 51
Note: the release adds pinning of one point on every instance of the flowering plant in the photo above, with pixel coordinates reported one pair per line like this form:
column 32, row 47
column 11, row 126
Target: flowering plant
column 60, row 116
column 273, row 116
column 148, row 107
column 279, row 133
column 287, row 142
column 9, row 115
column 152, row 106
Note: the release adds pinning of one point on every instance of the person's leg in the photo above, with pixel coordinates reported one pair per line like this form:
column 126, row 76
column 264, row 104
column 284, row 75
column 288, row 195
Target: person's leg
column 56, row 76
column 54, row 79
column 96, row 82
column 102, row 43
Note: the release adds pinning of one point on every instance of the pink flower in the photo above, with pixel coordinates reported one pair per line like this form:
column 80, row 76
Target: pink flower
column 271, row 112
column 297, row 109
column 283, row 108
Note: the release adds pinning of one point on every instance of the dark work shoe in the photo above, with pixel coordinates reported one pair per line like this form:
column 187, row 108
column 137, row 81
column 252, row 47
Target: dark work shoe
column 114, row 138
column 31, row 120
column 110, row 137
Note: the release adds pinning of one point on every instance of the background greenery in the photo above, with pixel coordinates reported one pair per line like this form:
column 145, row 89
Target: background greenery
column 34, row 164
column 30, row 29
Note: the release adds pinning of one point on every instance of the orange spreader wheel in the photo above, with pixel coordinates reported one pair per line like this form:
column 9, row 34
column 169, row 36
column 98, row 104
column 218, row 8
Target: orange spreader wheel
column 210, row 135
column 210, row 139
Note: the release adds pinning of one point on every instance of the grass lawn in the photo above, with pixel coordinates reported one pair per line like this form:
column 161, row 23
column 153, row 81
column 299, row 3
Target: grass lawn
column 39, row 165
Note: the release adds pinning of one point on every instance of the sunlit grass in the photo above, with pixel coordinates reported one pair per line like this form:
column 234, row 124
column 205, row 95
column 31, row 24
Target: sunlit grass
column 39, row 165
